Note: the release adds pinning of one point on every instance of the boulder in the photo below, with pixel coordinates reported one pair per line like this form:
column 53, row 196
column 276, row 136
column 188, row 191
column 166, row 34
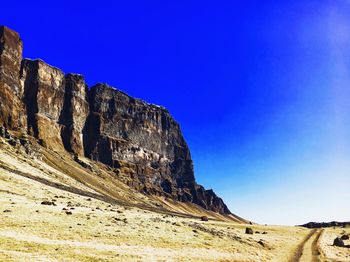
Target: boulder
column 48, row 203
column 261, row 243
column 345, row 237
column 204, row 218
column 338, row 242
column 249, row 231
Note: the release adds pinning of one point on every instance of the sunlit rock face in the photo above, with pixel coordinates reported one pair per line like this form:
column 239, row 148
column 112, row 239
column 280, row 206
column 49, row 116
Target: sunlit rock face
column 125, row 130
column 74, row 113
column 56, row 105
column 144, row 140
column 139, row 141
column 12, row 112
column 44, row 87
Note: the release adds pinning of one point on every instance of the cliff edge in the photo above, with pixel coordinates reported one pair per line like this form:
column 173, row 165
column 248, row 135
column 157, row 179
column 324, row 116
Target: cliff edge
column 140, row 142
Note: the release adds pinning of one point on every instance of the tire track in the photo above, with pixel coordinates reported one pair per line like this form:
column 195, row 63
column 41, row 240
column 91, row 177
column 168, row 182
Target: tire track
column 307, row 250
column 315, row 248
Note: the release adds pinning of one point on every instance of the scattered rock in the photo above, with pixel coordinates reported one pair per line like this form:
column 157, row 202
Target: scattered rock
column 249, row 231
column 204, row 218
column 69, row 213
column 264, row 233
column 261, row 243
column 48, row 203
column 7, row 211
column 257, row 232
column 338, row 242
column 211, row 231
column 345, row 237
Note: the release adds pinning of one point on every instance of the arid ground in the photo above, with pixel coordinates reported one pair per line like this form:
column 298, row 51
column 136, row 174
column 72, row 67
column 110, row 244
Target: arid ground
column 50, row 212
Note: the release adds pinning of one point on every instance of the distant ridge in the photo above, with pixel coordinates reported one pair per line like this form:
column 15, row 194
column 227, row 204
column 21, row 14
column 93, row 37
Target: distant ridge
column 325, row 224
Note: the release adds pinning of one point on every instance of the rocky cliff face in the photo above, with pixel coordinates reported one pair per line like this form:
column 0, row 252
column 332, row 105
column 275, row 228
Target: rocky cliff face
column 44, row 88
column 12, row 113
column 136, row 139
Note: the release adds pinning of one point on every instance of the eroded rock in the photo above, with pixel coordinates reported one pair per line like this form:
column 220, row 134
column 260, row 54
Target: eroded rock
column 12, row 109
column 138, row 140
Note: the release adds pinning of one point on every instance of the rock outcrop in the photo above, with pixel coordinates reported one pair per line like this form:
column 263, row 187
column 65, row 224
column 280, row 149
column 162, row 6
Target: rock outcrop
column 74, row 114
column 44, row 87
column 136, row 139
column 325, row 224
column 12, row 112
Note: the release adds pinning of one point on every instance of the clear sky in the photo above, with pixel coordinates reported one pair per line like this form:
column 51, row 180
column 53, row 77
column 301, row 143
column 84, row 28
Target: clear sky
column 261, row 88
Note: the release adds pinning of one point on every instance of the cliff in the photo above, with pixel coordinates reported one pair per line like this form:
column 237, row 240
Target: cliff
column 137, row 140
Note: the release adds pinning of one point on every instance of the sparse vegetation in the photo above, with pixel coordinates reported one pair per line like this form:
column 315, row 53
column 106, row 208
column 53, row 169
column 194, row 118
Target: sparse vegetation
column 115, row 222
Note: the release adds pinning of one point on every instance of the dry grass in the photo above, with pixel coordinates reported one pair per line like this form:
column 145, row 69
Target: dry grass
column 110, row 221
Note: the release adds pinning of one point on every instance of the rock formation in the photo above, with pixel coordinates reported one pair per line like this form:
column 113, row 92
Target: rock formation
column 135, row 138
column 12, row 113
column 325, row 224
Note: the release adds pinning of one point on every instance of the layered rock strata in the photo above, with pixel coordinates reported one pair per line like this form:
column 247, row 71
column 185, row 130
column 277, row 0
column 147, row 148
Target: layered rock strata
column 134, row 138
column 12, row 113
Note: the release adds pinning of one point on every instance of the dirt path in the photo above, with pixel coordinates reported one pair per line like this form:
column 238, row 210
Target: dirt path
column 308, row 250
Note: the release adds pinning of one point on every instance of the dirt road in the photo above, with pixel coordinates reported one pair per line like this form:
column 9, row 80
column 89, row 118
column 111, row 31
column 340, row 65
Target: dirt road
column 308, row 249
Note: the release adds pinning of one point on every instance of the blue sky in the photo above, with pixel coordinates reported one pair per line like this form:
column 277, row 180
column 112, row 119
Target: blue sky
column 260, row 88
